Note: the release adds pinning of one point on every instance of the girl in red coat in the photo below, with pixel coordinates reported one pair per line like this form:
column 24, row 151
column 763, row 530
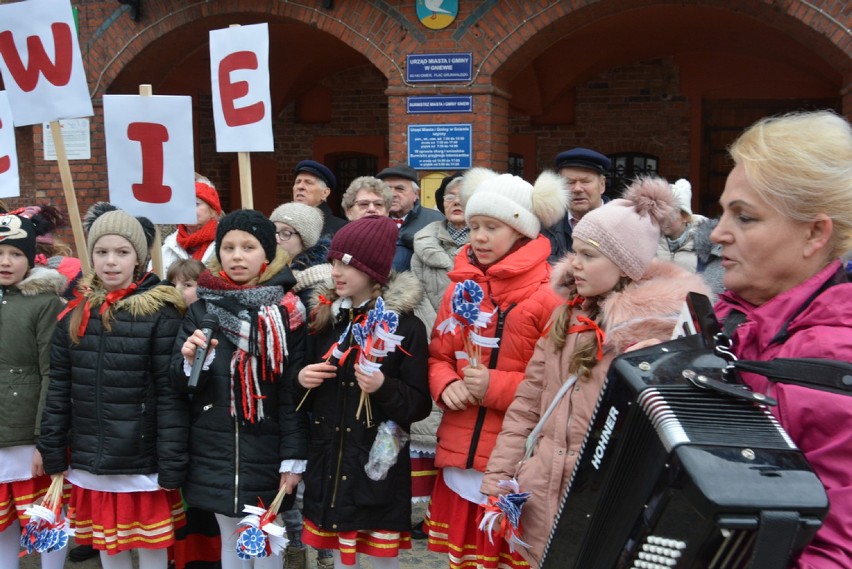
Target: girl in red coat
column 507, row 257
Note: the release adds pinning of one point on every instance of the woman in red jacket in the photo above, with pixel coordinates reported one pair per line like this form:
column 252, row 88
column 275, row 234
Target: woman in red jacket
column 507, row 257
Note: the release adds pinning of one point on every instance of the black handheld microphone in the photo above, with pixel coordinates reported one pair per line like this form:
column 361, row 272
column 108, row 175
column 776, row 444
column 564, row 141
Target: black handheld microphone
column 209, row 325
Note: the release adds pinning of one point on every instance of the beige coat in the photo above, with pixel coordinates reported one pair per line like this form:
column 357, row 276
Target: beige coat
column 647, row 309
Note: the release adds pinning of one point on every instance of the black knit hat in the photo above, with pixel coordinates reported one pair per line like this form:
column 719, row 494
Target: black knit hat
column 19, row 233
column 368, row 244
column 250, row 221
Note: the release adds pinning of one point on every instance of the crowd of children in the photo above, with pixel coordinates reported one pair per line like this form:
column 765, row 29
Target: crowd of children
column 287, row 394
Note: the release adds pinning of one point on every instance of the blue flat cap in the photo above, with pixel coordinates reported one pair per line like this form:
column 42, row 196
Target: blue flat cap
column 399, row 171
column 319, row 170
column 583, row 158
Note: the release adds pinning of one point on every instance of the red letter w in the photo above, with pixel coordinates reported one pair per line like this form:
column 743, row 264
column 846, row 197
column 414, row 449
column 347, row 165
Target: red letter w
column 39, row 62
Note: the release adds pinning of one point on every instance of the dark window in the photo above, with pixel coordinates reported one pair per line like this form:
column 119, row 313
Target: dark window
column 347, row 168
column 516, row 165
column 626, row 166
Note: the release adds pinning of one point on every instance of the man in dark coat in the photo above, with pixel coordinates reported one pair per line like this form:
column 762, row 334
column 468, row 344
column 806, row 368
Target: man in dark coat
column 313, row 184
column 406, row 211
column 584, row 171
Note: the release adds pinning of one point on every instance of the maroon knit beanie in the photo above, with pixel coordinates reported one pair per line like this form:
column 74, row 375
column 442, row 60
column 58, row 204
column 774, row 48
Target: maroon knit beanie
column 368, row 244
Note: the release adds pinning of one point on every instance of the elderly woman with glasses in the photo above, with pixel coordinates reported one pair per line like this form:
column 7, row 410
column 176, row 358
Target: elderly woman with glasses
column 366, row 195
column 786, row 223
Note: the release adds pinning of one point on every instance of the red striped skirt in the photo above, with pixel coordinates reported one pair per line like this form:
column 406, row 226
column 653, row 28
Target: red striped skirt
column 423, row 476
column 452, row 526
column 16, row 497
column 120, row 521
column 376, row 542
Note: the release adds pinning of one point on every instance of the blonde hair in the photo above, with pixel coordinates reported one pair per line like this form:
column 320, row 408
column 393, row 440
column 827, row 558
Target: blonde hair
column 321, row 316
column 370, row 184
column 801, row 164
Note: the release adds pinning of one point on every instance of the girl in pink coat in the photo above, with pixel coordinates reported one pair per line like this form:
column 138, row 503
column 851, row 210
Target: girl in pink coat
column 616, row 294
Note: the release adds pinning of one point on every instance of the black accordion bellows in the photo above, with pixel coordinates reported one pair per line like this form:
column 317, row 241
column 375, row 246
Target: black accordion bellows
column 675, row 476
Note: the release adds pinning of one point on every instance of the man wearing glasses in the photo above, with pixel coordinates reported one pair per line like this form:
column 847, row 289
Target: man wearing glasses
column 406, row 211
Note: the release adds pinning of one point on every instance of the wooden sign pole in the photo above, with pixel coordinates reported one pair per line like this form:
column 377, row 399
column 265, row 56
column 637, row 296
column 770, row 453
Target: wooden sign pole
column 157, row 247
column 70, row 196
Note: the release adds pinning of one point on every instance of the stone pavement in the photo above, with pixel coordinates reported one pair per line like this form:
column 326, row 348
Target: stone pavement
column 418, row 557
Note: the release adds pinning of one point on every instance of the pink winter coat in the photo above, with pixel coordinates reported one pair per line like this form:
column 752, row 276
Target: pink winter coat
column 521, row 279
column 646, row 309
column 820, row 423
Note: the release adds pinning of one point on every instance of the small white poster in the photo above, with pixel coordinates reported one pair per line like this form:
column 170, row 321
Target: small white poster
column 75, row 136
column 10, row 181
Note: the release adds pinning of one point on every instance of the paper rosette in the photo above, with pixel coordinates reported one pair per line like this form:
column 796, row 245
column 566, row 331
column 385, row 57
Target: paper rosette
column 502, row 515
column 47, row 530
column 259, row 535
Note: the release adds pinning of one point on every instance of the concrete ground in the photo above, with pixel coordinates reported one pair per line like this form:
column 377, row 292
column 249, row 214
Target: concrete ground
column 418, row 557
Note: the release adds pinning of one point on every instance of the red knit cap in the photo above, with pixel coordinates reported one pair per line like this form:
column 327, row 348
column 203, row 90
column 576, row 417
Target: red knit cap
column 208, row 195
column 368, row 244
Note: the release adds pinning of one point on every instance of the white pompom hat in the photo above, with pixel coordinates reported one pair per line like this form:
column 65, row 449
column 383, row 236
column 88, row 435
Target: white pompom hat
column 523, row 206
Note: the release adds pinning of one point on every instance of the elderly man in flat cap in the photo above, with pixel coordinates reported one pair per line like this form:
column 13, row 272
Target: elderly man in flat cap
column 406, row 211
column 584, row 171
column 313, row 184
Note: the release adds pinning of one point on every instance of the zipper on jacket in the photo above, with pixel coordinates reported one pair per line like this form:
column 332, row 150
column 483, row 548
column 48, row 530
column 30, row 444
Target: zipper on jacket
column 236, row 466
column 98, row 378
column 492, row 362
column 341, row 427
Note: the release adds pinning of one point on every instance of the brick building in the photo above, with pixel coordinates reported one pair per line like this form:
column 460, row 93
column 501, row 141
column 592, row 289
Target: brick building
column 659, row 85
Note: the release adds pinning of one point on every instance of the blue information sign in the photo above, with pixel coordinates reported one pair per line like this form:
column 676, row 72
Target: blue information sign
column 438, row 67
column 440, row 146
column 453, row 104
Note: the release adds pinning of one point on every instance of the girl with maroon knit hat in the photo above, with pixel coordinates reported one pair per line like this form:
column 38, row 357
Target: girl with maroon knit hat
column 196, row 241
column 345, row 509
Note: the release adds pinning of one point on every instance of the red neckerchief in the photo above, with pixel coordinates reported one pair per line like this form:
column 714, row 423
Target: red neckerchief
column 571, row 304
column 111, row 298
column 589, row 325
column 196, row 243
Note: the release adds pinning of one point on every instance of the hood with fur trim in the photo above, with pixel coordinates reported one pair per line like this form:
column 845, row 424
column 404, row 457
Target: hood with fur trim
column 151, row 296
column 645, row 308
column 402, row 294
column 41, row 280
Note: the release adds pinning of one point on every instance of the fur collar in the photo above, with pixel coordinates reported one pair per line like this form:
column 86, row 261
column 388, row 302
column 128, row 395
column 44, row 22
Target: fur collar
column 151, row 296
column 645, row 308
column 41, row 280
column 402, row 294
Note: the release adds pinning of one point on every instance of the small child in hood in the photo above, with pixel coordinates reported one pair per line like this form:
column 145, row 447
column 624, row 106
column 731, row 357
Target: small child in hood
column 29, row 304
column 507, row 258
column 615, row 294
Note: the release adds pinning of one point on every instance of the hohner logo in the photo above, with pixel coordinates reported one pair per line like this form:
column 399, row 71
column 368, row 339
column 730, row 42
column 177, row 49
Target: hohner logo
column 605, row 435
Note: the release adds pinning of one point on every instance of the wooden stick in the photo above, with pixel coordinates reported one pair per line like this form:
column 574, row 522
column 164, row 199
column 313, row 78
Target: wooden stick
column 157, row 247
column 244, row 161
column 279, row 497
column 308, row 392
column 70, row 196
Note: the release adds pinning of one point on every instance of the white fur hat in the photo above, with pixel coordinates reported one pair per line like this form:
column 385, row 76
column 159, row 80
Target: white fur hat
column 682, row 191
column 514, row 201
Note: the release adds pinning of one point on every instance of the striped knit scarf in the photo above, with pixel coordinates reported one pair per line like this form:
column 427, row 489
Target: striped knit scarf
column 251, row 319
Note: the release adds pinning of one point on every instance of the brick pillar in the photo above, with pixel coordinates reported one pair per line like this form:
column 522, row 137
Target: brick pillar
column 846, row 98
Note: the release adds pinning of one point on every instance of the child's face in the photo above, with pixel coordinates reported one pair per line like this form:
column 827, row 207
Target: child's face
column 13, row 265
column 288, row 239
column 594, row 273
column 350, row 282
column 114, row 260
column 187, row 287
column 490, row 238
column 241, row 256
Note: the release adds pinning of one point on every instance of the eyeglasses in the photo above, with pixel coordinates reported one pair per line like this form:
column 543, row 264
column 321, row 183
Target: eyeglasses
column 364, row 204
column 284, row 234
column 450, row 198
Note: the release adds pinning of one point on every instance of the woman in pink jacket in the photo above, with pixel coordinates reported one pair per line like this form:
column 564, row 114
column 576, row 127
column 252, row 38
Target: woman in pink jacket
column 786, row 222
column 616, row 294
column 507, row 257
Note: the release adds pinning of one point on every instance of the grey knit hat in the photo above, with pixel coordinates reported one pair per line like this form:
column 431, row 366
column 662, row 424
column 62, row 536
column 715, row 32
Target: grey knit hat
column 118, row 222
column 306, row 220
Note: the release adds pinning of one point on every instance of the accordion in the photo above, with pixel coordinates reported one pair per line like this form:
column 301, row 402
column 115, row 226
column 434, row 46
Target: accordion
column 672, row 475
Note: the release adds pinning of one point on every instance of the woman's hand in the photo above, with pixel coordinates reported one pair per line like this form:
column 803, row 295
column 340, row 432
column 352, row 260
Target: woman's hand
column 457, row 397
column 314, row 374
column 477, row 379
column 197, row 340
column 369, row 382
